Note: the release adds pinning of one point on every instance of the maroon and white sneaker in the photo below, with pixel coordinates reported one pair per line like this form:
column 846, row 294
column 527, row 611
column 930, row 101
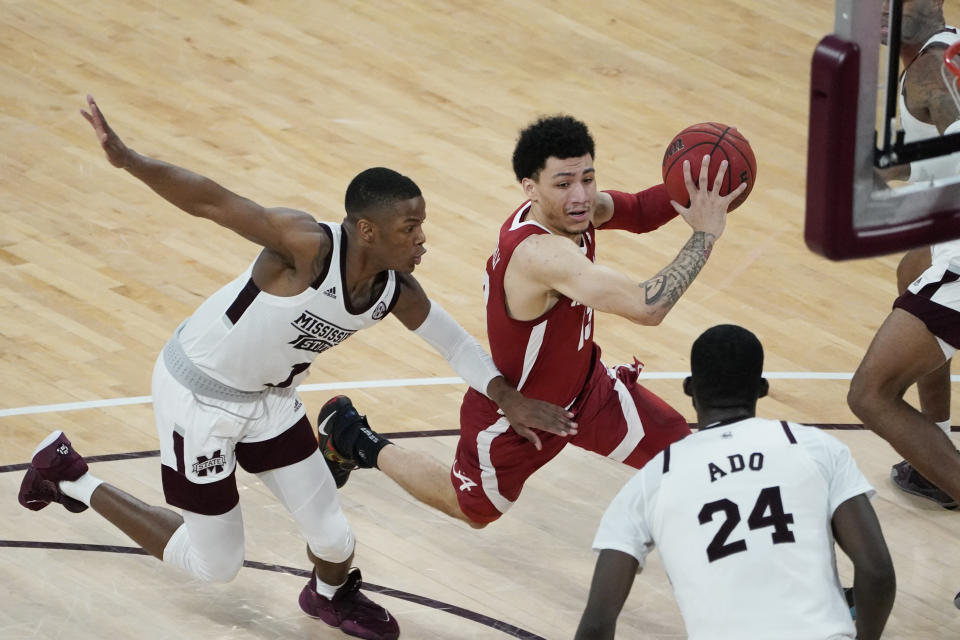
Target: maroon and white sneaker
column 349, row 610
column 908, row 479
column 54, row 460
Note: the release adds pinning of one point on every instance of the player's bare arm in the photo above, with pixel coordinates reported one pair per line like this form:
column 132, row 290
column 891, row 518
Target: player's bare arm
column 663, row 290
column 292, row 238
column 612, row 580
column 545, row 266
column 432, row 323
column 857, row 531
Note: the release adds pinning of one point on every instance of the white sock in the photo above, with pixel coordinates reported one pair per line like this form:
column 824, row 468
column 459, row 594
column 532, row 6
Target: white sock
column 82, row 488
column 326, row 590
column 945, row 426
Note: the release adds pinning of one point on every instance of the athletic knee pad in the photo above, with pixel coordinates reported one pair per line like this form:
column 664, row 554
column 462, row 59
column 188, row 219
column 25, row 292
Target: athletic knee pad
column 308, row 493
column 332, row 540
column 217, row 561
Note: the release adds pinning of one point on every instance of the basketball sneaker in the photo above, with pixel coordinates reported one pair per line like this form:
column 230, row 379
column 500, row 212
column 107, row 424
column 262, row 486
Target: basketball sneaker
column 349, row 610
column 848, row 596
column 54, row 460
column 912, row 481
column 346, row 439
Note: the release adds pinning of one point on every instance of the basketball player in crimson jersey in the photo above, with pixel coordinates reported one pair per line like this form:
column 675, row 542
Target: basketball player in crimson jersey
column 541, row 289
column 224, row 388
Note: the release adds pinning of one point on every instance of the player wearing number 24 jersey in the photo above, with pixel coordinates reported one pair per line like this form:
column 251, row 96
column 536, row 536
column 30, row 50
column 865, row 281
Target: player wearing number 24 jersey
column 744, row 514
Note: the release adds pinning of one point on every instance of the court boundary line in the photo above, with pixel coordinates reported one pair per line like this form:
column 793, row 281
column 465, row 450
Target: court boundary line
column 391, row 382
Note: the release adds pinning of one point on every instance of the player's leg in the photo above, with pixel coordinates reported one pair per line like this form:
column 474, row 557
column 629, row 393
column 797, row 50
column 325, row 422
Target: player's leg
column 425, row 478
column 933, row 388
column 490, row 467
column 625, row 421
column 58, row 473
column 903, row 351
column 149, row 526
column 307, row 490
column 281, row 450
column 197, row 438
column 208, row 547
column 287, row 461
column 348, row 442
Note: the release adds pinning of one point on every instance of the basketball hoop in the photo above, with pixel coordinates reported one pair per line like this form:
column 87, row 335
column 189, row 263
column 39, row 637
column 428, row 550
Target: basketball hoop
column 951, row 71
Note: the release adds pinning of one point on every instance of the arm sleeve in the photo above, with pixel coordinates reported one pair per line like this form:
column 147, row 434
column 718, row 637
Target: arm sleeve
column 459, row 348
column 640, row 212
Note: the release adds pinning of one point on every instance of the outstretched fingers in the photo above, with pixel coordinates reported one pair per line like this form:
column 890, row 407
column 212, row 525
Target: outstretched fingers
column 718, row 179
column 95, row 118
column 117, row 153
column 733, row 195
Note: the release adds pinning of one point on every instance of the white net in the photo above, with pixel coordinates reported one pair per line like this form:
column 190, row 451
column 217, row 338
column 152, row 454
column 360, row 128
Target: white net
column 950, row 71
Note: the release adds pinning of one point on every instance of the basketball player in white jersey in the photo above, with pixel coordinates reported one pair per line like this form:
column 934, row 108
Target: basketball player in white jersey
column 920, row 336
column 745, row 513
column 224, row 388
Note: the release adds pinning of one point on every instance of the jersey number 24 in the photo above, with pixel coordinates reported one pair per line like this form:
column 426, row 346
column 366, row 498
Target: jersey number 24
column 767, row 512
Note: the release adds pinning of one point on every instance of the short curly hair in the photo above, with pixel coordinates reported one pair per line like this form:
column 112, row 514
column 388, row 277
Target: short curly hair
column 559, row 136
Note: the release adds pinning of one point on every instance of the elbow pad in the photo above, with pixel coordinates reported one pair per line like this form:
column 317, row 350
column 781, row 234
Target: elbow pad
column 459, row 348
column 939, row 167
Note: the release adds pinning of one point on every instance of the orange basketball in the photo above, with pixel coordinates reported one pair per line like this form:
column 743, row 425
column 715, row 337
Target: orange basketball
column 722, row 142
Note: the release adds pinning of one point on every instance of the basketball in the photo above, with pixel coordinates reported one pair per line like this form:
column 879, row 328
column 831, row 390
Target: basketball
column 722, row 142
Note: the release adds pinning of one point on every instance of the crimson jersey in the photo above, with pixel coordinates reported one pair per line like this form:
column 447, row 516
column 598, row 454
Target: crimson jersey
column 547, row 358
column 554, row 358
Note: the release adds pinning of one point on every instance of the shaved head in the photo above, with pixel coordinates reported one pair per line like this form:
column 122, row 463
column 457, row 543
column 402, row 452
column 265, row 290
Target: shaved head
column 375, row 191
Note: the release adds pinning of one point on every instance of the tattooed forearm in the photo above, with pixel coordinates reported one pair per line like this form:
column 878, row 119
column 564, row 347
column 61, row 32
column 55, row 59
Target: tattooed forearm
column 665, row 288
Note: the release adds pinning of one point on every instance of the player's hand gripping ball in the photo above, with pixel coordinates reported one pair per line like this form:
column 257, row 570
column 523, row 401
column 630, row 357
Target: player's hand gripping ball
column 722, row 142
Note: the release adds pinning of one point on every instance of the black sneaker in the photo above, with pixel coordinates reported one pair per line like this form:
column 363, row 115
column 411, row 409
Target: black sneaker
column 337, row 417
column 912, row 481
column 848, row 596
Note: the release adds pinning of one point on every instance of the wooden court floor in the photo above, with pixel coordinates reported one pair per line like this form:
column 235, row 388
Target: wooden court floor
column 285, row 102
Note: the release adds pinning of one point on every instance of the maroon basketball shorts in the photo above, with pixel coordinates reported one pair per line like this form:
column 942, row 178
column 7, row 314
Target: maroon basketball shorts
column 934, row 298
column 616, row 417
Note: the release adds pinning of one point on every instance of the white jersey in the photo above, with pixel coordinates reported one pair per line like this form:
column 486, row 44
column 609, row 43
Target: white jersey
column 914, row 129
column 742, row 515
column 249, row 339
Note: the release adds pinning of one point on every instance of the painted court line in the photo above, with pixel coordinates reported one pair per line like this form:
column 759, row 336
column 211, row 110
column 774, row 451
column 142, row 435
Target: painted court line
column 395, row 382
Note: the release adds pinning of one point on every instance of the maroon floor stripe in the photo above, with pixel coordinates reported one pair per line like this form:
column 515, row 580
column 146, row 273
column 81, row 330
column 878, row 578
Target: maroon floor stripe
column 479, row 618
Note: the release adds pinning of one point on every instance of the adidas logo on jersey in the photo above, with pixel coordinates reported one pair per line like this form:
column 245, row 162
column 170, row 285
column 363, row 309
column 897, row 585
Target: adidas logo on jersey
column 332, row 292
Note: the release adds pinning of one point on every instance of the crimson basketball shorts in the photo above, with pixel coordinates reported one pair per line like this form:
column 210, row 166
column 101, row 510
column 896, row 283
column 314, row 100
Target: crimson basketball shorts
column 202, row 439
column 934, row 298
column 616, row 418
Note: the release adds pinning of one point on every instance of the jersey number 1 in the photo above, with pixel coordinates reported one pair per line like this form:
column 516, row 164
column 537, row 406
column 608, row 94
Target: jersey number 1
column 767, row 512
